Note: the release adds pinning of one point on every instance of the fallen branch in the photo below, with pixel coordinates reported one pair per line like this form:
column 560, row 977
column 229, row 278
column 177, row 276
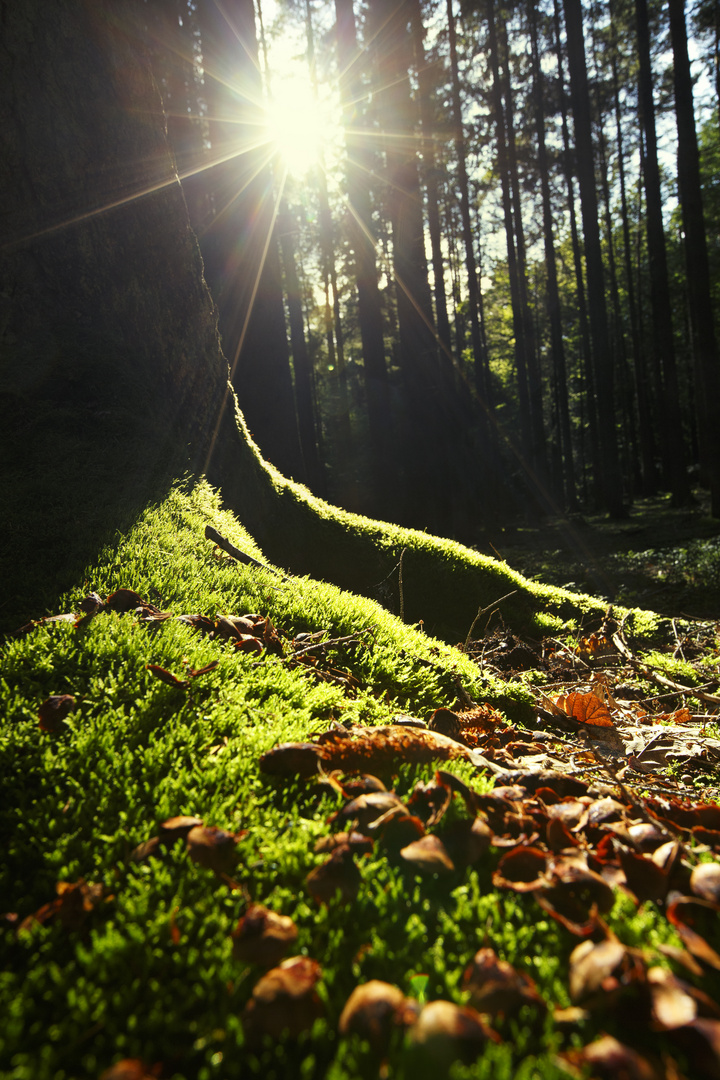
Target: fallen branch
column 234, row 552
column 482, row 611
column 661, row 680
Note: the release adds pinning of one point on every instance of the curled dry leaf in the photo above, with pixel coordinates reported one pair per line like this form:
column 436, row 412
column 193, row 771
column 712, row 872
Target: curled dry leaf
column 672, row 1003
column 246, row 643
column 338, row 875
column 366, row 809
column 593, row 968
column 447, row 1032
column 146, row 849
column 430, row 801
column 178, row 827
column 429, row 855
column 361, row 845
column 705, row 881
column 362, row 785
column 446, row 722
column 644, row 878
column 54, row 710
column 373, row 1011
column 213, row 848
column 71, row 907
column 684, row 912
column 397, row 829
column 496, row 987
column 284, row 1001
column 263, row 936
column 467, row 840
column 166, row 676
column 126, row 600
column 131, row 1069
column 609, row 1059
column 521, row 869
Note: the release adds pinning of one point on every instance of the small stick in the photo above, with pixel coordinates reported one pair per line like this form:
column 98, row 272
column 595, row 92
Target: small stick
column 331, row 641
column 400, row 586
column 234, row 552
column 662, row 680
column 481, row 612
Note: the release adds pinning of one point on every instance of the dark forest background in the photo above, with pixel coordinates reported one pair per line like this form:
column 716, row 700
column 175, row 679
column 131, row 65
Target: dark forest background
column 501, row 298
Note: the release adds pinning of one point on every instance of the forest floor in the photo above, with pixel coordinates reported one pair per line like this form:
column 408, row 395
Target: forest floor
column 661, row 557
column 535, row 897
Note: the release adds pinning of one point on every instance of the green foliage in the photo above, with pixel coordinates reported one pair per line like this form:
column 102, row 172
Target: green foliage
column 150, row 972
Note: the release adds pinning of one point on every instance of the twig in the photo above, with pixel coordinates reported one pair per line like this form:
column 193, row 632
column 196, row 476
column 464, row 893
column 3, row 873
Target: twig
column 331, row 641
column 400, row 585
column 663, row 826
column 661, row 680
column 234, row 552
column 482, row 611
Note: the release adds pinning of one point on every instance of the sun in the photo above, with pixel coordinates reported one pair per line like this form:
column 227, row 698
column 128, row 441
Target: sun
column 296, row 124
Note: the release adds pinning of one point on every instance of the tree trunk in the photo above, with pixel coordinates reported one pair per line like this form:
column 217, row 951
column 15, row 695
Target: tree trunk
column 609, row 481
column 553, row 294
column 671, row 442
column 704, row 344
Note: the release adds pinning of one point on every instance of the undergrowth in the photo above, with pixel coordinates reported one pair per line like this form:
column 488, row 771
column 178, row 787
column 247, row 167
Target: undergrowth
column 150, row 973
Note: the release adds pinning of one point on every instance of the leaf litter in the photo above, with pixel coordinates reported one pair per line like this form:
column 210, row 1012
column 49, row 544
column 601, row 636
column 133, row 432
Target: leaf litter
column 570, row 821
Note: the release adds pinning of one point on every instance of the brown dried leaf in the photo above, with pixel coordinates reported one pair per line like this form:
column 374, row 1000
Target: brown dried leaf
column 54, row 710
column 585, row 709
column 213, row 848
column 521, row 869
column 176, row 827
column 643, row 877
column 467, row 840
column 131, row 1069
column 496, row 987
column 263, row 936
column 166, row 676
column 284, row 1001
column 71, row 907
column 447, row 1032
column 429, row 855
column 592, row 967
column 373, row 1011
column 194, row 672
column 609, row 1059
column 246, row 643
column 705, row 881
column 146, row 849
column 361, row 845
column 338, row 875
column 126, row 600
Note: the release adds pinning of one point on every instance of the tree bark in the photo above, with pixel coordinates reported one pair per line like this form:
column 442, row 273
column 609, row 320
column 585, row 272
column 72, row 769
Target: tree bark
column 609, row 482
column 696, row 260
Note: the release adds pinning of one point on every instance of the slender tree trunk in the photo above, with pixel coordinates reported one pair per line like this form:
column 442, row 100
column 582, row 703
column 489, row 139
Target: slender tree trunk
column 526, row 431
column 482, row 378
column 696, row 259
column 302, row 367
column 610, row 484
column 538, row 460
column 362, row 239
column 552, row 297
column 647, row 443
column 426, row 85
column 672, row 444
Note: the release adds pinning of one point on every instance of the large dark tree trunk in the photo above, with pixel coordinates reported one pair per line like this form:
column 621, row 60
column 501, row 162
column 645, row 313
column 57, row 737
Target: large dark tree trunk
column 609, row 481
column 98, row 255
column 671, row 442
column 696, row 260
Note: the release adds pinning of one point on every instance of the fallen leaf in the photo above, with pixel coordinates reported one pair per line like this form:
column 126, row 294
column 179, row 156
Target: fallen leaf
column 705, row 881
column 263, row 936
column 166, row 676
column 496, row 987
column 131, row 1069
column 592, row 967
column 338, row 875
column 429, row 855
column 213, row 848
column 585, row 709
column 178, row 827
column 54, row 710
column 446, row 1032
column 284, row 1001
column 609, row 1059
column 374, row 1011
